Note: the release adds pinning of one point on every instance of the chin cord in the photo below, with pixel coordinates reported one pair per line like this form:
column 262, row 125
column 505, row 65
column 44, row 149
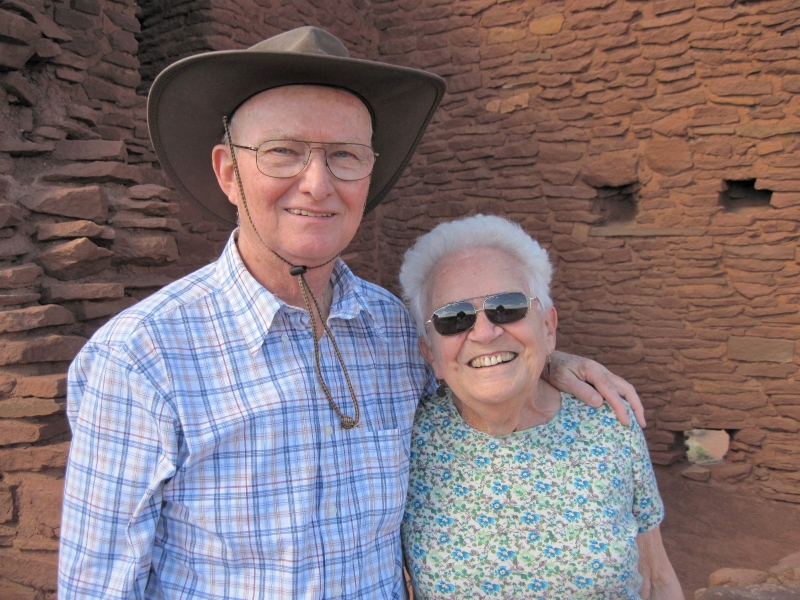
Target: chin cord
column 299, row 271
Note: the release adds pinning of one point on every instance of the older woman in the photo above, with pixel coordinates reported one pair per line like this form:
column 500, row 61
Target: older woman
column 516, row 490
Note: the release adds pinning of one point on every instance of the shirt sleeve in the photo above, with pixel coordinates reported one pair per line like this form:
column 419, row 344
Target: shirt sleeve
column 123, row 450
column 648, row 509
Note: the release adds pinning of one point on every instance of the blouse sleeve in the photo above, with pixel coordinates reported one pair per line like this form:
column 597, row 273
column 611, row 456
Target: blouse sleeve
column 648, row 509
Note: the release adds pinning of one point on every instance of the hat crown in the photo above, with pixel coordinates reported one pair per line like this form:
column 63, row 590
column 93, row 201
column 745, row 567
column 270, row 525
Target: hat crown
column 304, row 40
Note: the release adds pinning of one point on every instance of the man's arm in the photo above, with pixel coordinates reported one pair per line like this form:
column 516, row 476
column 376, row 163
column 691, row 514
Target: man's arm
column 659, row 581
column 592, row 382
column 118, row 462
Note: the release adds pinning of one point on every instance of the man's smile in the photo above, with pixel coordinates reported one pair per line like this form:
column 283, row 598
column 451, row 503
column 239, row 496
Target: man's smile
column 307, row 213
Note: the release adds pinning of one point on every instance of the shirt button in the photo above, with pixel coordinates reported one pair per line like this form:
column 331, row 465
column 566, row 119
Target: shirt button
column 336, row 590
column 284, row 338
column 328, row 430
column 332, row 511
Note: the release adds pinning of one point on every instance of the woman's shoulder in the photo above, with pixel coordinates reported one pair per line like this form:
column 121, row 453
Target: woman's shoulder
column 574, row 410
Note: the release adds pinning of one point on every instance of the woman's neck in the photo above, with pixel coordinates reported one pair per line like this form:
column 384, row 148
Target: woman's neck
column 502, row 419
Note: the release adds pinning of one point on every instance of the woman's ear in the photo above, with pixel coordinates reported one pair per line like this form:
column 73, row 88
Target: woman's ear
column 427, row 352
column 550, row 324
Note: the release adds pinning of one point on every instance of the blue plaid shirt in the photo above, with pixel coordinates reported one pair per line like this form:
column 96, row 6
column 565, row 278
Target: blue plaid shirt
column 206, row 461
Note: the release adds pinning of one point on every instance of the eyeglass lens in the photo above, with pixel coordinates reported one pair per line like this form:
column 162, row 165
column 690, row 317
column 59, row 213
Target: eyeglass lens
column 287, row 158
column 500, row 309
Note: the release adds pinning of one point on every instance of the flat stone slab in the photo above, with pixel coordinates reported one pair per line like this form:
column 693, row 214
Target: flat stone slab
column 752, row 592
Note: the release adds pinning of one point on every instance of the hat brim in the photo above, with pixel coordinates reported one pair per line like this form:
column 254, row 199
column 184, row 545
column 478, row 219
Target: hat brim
column 188, row 100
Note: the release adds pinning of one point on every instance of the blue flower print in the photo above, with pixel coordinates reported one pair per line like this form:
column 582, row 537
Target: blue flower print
column 610, row 512
column 504, row 553
column 444, row 457
column 572, row 515
column 417, row 551
column 416, row 504
column 596, row 546
column 420, row 441
column 503, row 572
column 631, row 540
column 537, row 585
column 525, row 474
column 421, row 488
column 596, row 564
column 497, row 505
column 522, row 456
column 485, row 520
column 416, row 569
column 446, row 475
column 568, row 440
column 615, row 529
column 528, row 517
column 444, row 539
column 408, row 517
column 602, row 467
column 552, row 551
column 570, row 423
column 499, row 488
column 625, row 575
column 460, row 554
column 492, row 446
column 582, row 484
column 616, row 482
column 541, row 486
column 482, row 461
column 582, row 581
column 534, row 537
column 445, row 423
column 591, row 411
column 426, row 427
column 559, row 453
column 443, row 520
column 460, row 490
column 645, row 501
column 598, row 451
column 607, row 420
column 445, row 587
column 627, row 450
column 489, row 587
column 459, row 434
column 581, row 500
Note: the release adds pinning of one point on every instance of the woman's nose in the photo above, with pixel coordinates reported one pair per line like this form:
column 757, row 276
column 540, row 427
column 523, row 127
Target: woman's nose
column 484, row 330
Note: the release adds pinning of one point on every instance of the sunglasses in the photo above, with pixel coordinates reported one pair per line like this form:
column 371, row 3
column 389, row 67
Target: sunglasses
column 500, row 309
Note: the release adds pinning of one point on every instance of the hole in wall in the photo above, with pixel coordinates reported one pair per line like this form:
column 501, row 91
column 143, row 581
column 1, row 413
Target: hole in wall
column 706, row 445
column 618, row 204
column 742, row 194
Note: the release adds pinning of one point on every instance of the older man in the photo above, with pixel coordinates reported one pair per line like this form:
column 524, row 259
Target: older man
column 244, row 432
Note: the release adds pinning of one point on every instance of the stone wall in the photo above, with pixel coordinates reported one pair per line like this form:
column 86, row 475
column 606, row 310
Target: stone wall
column 653, row 147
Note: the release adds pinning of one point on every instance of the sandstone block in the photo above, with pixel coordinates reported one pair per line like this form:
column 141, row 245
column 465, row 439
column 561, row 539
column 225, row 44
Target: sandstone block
column 730, row 473
column 36, row 570
column 82, row 291
column 138, row 222
column 24, row 319
column 148, row 191
column 74, row 259
column 42, row 386
column 787, row 570
column 16, row 148
column 15, row 246
column 18, row 298
column 95, row 172
column 6, row 504
column 17, row 408
column 14, row 83
column 12, row 591
column 614, row 169
column 779, row 456
column 20, row 276
column 34, row 458
column 667, row 457
column 504, row 35
column 17, row 29
column 547, row 25
column 755, row 349
column 73, row 229
column 736, row 577
column 50, row 29
column 14, row 431
column 10, row 215
column 14, row 56
column 785, row 199
column 696, row 473
column 763, row 252
column 39, row 505
column 94, row 310
column 739, row 86
column 758, row 131
column 582, row 5
column 81, row 202
column 90, row 150
column 146, row 250
column 41, row 349
column 668, row 157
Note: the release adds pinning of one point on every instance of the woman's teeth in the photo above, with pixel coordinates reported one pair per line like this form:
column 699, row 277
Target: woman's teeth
column 305, row 213
column 490, row 361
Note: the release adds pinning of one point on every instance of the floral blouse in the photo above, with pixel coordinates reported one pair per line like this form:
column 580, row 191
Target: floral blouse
column 550, row 512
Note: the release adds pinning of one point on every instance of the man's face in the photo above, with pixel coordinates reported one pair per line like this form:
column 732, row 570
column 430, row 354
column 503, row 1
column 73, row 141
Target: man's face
column 309, row 218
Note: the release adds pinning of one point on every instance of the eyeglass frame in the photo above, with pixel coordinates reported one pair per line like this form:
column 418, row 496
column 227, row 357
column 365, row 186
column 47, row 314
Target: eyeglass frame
column 322, row 146
column 477, row 310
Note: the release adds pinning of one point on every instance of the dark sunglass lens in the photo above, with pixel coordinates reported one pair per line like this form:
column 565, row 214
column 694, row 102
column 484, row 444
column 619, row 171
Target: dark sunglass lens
column 454, row 318
column 506, row 308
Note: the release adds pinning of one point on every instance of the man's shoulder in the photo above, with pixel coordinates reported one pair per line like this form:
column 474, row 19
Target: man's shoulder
column 379, row 299
column 163, row 305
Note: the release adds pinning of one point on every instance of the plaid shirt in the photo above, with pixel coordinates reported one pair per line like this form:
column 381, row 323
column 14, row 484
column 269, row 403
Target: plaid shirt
column 206, row 461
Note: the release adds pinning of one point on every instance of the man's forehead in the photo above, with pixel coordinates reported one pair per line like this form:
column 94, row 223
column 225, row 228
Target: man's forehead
column 297, row 96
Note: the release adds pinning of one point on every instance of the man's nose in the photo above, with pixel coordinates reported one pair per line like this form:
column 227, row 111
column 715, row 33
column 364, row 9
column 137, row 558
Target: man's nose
column 316, row 179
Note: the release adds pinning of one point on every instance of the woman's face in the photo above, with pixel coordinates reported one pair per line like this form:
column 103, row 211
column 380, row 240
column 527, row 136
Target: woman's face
column 522, row 347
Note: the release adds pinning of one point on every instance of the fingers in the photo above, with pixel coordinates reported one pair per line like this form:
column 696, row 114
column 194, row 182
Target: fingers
column 627, row 391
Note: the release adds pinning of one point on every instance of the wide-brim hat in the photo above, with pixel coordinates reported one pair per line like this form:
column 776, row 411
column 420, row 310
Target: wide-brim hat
column 189, row 98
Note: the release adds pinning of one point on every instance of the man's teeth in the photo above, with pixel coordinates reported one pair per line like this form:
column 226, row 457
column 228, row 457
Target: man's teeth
column 494, row 359
column 305, row 213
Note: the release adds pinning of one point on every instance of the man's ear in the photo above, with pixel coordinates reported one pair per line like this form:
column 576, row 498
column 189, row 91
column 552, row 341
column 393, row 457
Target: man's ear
column 427, row 353
column 223, row 169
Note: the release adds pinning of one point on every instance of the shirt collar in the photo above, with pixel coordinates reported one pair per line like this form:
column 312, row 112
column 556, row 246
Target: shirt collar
column 254, row 307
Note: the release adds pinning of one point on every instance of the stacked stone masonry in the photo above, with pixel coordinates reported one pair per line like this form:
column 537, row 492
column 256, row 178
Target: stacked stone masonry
column 652, row 147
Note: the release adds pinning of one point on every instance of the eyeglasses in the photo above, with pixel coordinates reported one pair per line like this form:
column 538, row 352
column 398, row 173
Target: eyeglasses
column 500, row 309
column 287, row 158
